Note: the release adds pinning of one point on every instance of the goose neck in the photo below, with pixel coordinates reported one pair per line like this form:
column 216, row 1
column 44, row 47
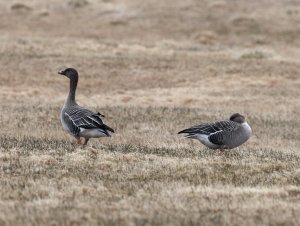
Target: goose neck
column 72, row 91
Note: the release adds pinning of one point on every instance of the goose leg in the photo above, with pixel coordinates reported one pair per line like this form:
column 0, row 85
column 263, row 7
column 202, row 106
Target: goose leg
column 78, row 141
column 223, row 148
column 85, row 141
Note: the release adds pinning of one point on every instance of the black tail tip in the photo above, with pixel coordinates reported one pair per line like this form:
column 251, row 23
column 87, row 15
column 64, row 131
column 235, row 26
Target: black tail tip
column 99, row 114
column 109, row 128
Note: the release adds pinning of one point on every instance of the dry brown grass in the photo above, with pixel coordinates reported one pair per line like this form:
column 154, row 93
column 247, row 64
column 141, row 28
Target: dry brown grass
column 153, row 68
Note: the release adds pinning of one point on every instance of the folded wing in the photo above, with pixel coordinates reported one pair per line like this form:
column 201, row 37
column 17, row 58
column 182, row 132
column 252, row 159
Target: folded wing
column 86, row 119
column 216, row 131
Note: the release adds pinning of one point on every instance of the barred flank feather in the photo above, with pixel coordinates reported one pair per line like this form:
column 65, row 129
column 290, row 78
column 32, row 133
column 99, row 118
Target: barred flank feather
column 220, row 134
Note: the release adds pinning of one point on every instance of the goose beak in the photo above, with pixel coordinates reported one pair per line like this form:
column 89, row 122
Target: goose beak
column 61, row 72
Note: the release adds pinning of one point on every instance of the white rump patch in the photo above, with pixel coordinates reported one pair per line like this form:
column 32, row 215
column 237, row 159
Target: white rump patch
column 204, row 140
column 91, row 133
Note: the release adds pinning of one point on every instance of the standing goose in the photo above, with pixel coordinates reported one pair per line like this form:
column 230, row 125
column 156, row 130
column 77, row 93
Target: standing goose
column 79, row 121
column 221, row 135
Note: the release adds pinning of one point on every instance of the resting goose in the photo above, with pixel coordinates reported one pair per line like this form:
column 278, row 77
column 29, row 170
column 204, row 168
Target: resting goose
column 79, row 121
column 221, row 135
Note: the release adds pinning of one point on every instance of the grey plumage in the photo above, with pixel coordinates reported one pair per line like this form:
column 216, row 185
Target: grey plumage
column 221, row 134
column 79, row 121
column 83, row 118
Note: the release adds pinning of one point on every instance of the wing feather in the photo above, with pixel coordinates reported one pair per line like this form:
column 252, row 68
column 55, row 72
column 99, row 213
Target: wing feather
column 211, row 128
column 86, row 119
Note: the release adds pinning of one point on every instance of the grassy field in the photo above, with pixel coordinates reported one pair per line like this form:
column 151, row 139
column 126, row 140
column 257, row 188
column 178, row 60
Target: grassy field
column 152, row 68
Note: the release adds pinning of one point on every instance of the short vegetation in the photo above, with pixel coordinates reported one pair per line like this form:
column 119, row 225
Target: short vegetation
column 151, row 76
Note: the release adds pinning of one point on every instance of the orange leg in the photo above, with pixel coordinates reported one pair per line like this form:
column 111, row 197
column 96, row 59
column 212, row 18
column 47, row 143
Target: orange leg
column 78, row 141
column 85, row 141
column 223, row 148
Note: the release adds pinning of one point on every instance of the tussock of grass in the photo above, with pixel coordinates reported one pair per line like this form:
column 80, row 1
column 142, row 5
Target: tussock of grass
column 78, row 3
column 254, row 55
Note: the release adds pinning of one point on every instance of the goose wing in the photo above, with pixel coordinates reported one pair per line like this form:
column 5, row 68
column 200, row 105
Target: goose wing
column 86, row 119
column 226, row 129
column 210, row 128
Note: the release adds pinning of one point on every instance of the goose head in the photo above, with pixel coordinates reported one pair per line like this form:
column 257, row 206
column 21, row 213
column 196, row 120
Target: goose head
column 237, row 118
column 70, row 73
